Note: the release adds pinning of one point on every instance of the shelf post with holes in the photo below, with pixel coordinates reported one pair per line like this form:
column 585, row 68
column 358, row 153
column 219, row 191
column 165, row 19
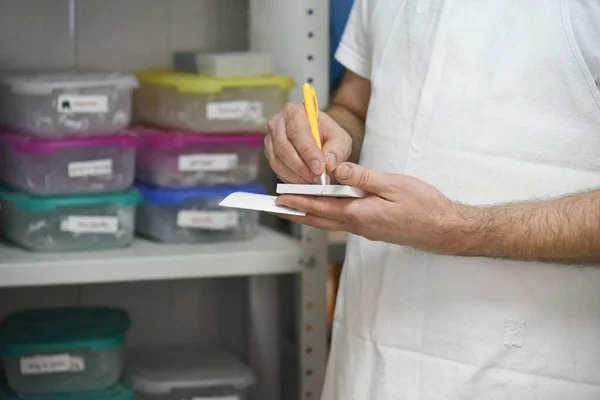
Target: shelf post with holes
column 296, row 33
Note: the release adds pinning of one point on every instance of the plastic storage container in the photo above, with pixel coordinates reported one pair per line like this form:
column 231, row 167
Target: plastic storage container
column 178, row 159
column 62, row 350
column 66, row 102
column 181, row 100
column 120, row 391
column 194, row 215
column 69, row 223
column 65, row 166
column 175, row 373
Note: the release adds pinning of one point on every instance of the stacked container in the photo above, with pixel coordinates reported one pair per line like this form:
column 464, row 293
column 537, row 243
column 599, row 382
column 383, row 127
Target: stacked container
column 71, row 353
column 206, row 144
column 66, row 159
column 188, row 372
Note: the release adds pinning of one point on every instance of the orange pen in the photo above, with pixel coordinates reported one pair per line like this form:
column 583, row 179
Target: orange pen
column 311, row 107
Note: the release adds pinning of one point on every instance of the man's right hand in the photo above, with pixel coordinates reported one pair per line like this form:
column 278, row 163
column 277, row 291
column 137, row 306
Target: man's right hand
column 293, row 152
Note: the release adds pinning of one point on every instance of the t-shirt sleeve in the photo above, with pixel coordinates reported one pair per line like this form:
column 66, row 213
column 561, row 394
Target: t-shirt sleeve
column 354, row 50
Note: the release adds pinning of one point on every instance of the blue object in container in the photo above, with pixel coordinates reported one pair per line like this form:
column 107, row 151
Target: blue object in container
column 156, row 195
column 120, row 391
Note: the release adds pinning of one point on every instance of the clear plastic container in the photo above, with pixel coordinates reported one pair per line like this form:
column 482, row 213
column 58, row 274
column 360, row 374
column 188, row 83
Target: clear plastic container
column 65, row 166
column 62, row 350
column 90, row 222
column 194, row 215
column 181, row 100
column 188, row 372
column 183, row 159
column 66, row 102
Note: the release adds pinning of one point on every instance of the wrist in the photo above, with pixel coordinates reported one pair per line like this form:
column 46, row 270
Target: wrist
column 461, row 230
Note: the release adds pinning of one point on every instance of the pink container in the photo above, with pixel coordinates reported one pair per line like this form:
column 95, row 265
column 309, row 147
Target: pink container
column 76, row 165
column 181, row 159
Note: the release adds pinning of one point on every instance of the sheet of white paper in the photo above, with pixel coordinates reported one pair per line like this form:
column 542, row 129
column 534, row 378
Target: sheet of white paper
column 259, row 202
column 321, row 190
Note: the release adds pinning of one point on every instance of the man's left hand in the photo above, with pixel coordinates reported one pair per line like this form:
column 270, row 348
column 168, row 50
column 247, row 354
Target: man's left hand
column 397, row 209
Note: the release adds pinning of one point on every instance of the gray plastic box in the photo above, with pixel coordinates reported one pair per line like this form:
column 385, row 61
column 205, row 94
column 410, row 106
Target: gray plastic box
column 188, row 372
column 194, row 215
column 177, row 159
column 76, row 165
column 66, row 102
column 100, row 369
column 69, row 223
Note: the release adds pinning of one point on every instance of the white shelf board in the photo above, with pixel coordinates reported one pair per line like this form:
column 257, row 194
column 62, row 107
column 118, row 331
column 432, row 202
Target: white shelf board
column 269, row 253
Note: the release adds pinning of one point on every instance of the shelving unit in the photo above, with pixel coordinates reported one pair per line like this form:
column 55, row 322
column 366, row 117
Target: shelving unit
column 178, row 293
column 269, row 253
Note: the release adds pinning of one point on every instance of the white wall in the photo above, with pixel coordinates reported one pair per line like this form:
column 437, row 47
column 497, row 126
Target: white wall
column 121, row 34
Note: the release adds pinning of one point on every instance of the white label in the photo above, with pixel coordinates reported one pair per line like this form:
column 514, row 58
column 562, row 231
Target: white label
column 213, row 220
column 78, row 103
column 85, row 224
column 90, row 168
column 228, row 110
column 207, row 162
column 59, row 363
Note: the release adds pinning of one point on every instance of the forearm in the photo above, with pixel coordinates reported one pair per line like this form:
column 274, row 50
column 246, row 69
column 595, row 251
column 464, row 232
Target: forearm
column 352, row 123
column 564, row 230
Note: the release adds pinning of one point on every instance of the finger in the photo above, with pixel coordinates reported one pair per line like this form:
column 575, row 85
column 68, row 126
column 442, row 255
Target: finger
column 317, row 222
column 298, row 133
column 324, row 207
column 377, row 183
column 284, row 173
column 284, row 151
column 337, row 144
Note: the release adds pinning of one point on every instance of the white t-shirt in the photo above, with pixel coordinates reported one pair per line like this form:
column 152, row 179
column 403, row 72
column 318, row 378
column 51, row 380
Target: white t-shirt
column 491, row 102
column 585, row 18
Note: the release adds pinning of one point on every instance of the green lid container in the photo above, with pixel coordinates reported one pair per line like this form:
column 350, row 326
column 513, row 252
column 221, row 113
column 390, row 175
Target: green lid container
column 120, row 391
column 28, row 202
column 59, row 329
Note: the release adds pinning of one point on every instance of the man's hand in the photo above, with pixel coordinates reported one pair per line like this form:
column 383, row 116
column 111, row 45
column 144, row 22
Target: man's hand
column 293, row 152
column 398, row 209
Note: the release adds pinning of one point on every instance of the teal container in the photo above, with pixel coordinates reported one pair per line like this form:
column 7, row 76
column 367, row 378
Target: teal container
column 63, row 350
column 69, row 223
column 120, row 391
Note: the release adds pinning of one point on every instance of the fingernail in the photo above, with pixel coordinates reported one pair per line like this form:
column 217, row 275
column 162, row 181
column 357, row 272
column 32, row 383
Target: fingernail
column 315, row 165
column 344, row 171
column 317, row 180
column 332, row 159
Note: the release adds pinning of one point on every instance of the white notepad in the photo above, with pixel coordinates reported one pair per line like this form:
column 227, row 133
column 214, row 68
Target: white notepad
column 259, row 202
column 321, row 190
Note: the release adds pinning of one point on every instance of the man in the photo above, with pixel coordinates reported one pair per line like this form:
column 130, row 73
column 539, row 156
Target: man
column 469, row 274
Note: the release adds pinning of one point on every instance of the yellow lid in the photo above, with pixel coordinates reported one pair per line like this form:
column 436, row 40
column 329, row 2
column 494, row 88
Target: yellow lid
column 194, row 83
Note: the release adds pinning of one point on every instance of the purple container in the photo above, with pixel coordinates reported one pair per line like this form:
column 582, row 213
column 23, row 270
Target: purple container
column 76, row 165
column 177, row 159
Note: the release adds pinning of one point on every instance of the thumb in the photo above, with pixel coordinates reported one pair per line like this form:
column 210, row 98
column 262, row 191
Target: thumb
column 377, row 183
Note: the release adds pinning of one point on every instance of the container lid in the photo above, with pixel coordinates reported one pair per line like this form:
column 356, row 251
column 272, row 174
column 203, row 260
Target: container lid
column 34, row 145
column 160, row 370
column 157, row 195
column 28, row 202
column 166, row 139
column 56, row 329
column 38, row 82
column 120, row 391
column 194, row 83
